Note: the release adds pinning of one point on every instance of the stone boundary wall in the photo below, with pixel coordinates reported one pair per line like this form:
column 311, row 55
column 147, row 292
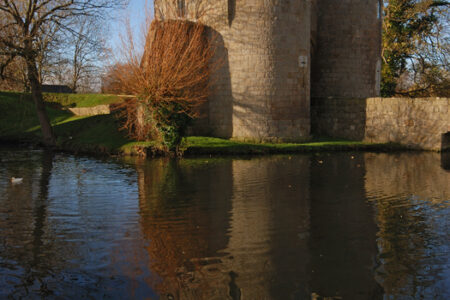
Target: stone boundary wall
column 91, row 111
column 420, row 123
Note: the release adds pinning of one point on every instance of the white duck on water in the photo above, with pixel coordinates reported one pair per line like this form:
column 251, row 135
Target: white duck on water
column 16, row 180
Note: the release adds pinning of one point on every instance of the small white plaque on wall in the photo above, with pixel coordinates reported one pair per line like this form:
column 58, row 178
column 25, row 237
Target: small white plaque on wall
column 303, row 61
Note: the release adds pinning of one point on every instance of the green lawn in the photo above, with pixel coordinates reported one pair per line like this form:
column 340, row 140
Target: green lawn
column 81, row 100
column 209, row 145
column 68, row 100
column 100, row 134
column 18, row 122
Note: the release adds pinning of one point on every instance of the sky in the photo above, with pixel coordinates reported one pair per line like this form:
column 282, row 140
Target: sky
column 136, row 12
column 137, row 9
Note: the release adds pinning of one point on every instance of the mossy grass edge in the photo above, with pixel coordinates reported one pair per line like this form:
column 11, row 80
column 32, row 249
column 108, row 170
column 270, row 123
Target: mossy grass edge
column 100, row 135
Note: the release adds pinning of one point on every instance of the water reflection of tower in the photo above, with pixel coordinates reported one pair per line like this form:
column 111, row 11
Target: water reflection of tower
column 250, row 244
column 343, row 232
column 253, row 228
column 269, row 227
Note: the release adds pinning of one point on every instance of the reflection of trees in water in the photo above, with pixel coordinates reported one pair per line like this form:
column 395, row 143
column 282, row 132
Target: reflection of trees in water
column 23, row 234
column 40, row 216
column 403, row 237
column 409, row 191
column 174, row 196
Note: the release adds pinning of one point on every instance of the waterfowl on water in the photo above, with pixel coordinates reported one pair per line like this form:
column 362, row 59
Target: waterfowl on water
column 16, row 180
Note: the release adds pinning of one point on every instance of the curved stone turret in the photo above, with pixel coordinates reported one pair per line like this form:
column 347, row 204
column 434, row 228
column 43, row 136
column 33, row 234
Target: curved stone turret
column 262, row 90
column 347, row 49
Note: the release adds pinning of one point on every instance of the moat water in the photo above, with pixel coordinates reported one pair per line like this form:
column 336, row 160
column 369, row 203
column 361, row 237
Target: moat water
column 320, row 226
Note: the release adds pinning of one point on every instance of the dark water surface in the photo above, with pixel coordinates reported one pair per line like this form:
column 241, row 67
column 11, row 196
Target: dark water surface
column 328, row 226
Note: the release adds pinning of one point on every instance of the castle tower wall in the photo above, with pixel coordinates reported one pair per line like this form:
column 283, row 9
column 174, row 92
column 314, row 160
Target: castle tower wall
column 347, row 49
column 262, row 92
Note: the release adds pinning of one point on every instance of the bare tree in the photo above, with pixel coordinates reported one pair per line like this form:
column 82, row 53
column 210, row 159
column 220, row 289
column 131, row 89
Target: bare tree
column 84, row 54
column 13, row 75
column 49, row 44
column 24, row 22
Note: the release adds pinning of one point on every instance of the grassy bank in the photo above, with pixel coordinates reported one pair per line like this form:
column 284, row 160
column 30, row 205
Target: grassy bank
column 80, row 100
column 18, row 122
column 208, row 145
column 68, row 100
column 100, row 134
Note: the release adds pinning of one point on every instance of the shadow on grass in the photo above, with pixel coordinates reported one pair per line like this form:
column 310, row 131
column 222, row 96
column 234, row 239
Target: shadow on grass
column 18, row 118
column 94, row 133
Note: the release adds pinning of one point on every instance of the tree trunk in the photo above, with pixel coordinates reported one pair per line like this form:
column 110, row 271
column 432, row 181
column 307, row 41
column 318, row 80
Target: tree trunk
column 36, row 93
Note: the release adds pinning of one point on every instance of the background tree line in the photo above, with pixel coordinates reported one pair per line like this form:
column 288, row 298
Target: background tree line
column 70, row 54
column 416, row 48
column 34, row 32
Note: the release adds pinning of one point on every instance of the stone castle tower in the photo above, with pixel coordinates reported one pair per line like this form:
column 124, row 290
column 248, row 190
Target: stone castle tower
column 279, row 55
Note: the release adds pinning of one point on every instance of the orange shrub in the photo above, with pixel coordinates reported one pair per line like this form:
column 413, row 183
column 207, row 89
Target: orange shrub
column 170, row 81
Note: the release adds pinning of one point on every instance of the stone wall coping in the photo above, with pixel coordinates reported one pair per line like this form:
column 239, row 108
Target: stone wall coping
column 91, row 111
